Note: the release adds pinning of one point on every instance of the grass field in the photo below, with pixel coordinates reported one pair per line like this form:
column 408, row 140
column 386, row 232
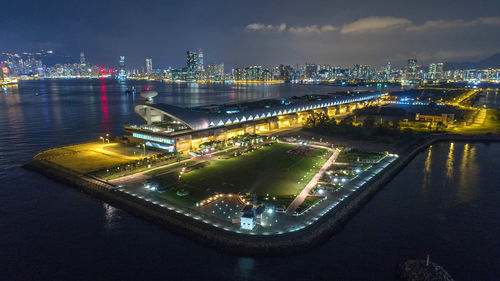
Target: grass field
column 353, row 156
column 268, row 170
column 308, row 202
column 92, row 156
column 195, row 195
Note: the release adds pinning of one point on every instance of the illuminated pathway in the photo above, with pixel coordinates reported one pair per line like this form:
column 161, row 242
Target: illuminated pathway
column 302, row 196
column 141, row 176
column 275, row 223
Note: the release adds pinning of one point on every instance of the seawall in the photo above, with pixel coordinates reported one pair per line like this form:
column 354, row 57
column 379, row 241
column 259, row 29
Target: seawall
column 246, row 244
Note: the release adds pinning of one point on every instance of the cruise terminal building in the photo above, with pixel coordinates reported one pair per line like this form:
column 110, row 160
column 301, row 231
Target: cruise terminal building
column 171, row 128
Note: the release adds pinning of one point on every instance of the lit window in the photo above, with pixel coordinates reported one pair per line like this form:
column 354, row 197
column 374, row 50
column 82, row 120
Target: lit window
column 153, row 138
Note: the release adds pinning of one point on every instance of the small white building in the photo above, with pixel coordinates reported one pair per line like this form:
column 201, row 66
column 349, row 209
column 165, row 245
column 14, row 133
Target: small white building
column 247, row 221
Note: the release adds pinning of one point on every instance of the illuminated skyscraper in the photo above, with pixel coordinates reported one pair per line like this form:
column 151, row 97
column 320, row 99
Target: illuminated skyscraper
column 149, row 66
column 191, row 60
column 122, row 74
column 411, row 69
column 82, row 58
column 200, row 65
column 439, row 70
column 388, row 70
column 192, row 65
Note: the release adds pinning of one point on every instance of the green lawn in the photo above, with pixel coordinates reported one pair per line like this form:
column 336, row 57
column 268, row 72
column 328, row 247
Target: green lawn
column 354, row 155
column 195, row 195
column 277, row 201
column 267, row 170
column 308, row 202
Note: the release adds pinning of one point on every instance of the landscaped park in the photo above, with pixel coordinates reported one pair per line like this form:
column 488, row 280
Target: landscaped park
column 271, row 171
column 92, row 156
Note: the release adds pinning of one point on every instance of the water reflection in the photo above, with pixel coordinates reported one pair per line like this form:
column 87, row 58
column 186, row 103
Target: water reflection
column 124, row 98
column 11, row 104
column 246, row 268
column 104, row 104
column 467, row 182
column 449, row 163
column 427, row 172
column 110, row 216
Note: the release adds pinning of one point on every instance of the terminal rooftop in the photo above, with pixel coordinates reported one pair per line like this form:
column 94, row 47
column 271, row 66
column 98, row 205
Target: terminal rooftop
column 171, row 128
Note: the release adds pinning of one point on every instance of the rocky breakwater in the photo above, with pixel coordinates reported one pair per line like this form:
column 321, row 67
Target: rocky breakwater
column 240, row 243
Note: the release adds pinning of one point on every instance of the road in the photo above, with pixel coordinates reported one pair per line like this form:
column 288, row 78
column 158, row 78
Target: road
column 302, row 196
column 142, row 177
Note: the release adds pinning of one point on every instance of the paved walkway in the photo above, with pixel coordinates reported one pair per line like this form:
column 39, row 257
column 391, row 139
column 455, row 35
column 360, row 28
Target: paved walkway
column 302, row 196
column 141, row 176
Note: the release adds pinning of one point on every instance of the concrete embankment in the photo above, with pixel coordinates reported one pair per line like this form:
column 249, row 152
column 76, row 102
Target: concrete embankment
column 245, row 244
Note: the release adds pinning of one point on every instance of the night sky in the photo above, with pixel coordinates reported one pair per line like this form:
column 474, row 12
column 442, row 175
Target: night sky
column 241, row 33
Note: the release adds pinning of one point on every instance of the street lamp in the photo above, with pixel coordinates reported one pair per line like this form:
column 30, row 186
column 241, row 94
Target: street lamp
column 143, row 146
column 101, row 138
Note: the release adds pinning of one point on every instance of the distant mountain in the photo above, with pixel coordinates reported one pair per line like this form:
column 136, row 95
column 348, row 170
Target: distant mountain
column 491, row 61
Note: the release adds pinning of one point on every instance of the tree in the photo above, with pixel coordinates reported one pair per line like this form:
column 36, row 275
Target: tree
column 347, row 121
column 369, row 122
column 316, row 119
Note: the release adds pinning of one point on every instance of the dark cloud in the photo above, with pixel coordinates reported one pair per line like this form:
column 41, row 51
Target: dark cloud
column 255, row 32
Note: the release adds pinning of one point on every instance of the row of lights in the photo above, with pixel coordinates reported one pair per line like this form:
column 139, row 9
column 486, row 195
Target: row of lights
column 269, row 211
column 217, row 196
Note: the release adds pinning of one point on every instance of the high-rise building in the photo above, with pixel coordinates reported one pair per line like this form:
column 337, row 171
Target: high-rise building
column 82, row 58
column 388, row 70
column 432, row 71
column 411, row 69
column 252, row 73
column 191, row 61
column 192, row 65
column 199, row 62
column 122, row 74
column 149, row 65
column 310, row 70
column 219, row 71
column 439, row 70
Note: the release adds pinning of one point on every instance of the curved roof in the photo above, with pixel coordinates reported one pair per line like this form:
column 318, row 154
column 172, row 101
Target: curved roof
column 201, row 120
column 192, row 119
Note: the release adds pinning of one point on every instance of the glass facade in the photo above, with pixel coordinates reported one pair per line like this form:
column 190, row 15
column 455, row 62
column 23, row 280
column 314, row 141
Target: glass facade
column 153, row 138
column 169, row 148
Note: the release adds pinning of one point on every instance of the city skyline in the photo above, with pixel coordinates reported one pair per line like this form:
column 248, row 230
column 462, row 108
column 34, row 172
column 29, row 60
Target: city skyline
column 31, row 65
column 256, row 34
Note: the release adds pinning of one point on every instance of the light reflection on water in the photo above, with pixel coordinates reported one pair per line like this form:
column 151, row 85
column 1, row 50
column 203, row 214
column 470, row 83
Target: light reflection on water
column 468, row 171
column 449, row 163
column 460, row 175
column 111, row 218
column 38, row 225
column 427, row 172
